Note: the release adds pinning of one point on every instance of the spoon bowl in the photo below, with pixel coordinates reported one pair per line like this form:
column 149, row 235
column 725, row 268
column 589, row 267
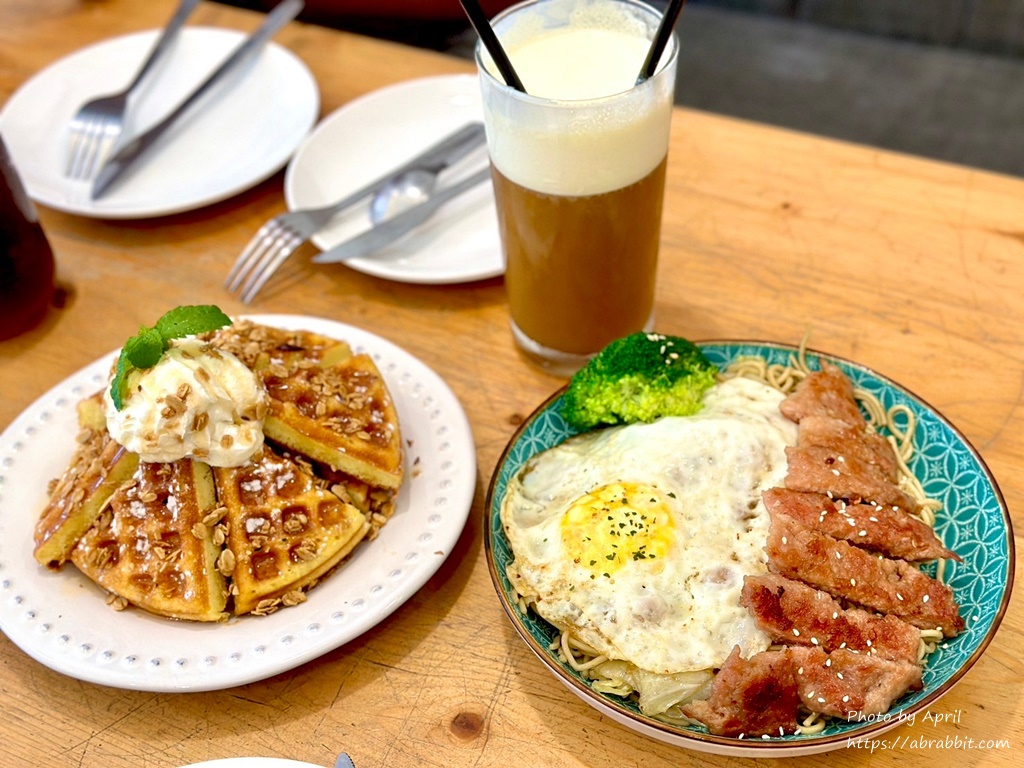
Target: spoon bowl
column 401, row 193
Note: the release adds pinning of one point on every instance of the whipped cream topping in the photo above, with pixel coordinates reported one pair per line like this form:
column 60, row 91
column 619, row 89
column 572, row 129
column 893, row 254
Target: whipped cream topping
column 196, row 402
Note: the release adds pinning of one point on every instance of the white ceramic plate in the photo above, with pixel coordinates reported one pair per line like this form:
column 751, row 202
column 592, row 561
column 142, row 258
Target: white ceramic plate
column 61, row 619
column 241, row 133
column 377, row 132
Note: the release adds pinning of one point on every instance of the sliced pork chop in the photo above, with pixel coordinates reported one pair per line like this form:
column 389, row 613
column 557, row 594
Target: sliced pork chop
column 873, row 581
column 793, row 613
column 851, row 685
column 751, row 697
column 892, row 532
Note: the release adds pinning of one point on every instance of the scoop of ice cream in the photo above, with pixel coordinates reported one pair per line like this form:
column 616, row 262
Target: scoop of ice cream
column 196, row 402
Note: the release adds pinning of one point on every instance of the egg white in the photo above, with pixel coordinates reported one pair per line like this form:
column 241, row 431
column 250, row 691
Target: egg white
column 636, row 538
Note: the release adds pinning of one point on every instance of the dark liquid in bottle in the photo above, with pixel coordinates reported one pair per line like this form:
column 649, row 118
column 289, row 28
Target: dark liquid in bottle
column 26, row 259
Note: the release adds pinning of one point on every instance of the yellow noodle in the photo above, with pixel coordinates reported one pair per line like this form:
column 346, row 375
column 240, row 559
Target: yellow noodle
column 569, row 646
column 812, row 724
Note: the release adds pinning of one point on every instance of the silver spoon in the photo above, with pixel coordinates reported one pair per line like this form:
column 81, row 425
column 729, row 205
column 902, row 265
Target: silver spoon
column 402, row 192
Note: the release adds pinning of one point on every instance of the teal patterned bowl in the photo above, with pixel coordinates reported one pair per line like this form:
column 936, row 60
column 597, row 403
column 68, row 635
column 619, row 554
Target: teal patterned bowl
column 974, row 522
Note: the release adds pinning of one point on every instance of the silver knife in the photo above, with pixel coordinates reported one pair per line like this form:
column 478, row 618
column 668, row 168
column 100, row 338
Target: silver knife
column 391, row 230
column 136, row 148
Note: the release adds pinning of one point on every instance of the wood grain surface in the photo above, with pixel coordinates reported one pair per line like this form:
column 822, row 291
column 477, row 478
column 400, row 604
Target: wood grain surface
column 911, row 267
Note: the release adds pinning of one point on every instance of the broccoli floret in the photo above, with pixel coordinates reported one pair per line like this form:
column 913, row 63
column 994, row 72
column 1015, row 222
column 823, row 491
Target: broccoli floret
column 638, row 378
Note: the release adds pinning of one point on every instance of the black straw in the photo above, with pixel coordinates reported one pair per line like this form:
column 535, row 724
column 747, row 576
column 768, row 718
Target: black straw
column 483, row 28
column 668, row 24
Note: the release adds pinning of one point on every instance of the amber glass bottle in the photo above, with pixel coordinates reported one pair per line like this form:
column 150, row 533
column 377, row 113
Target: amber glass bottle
column 26, row 259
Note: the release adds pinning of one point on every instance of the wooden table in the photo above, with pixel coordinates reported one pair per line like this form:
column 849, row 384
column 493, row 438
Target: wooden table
column 912, row 267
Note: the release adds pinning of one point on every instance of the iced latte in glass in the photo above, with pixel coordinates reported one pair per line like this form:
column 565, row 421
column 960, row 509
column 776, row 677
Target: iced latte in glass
column 578, row 164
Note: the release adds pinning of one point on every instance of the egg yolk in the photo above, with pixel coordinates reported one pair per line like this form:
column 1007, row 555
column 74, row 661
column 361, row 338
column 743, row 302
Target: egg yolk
column 616, row 524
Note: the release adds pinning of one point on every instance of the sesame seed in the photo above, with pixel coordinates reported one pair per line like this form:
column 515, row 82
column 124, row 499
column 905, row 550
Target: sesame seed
column 924, row 599
column 835, row 472
column 765, row 736
column 796, row 632
column 821, row 700
column 828, row 662
column 785, row 540
column 842, row 644
column 873, row 519
column 842, row 458
column 846, row 698
column 863, row 533
column 839, row 675
column 814, row 641
column 899, row 596
column 869, row 643
column 800, row 671
column 853, row 582
column 781, row 732
column 835, row 614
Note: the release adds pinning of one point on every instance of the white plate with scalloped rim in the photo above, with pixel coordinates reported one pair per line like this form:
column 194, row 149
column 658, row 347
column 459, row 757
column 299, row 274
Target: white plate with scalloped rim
column 61, row 619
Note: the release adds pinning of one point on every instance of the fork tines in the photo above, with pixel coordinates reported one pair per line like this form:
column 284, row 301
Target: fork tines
column 92, row 137
column 265, row 253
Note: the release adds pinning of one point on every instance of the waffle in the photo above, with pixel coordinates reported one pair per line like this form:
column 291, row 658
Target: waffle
column 188, row 541
column 98, row 467
column 260, row 346
column 153, row 546
column 376, row 504
column 285, row 530
column 325, row 402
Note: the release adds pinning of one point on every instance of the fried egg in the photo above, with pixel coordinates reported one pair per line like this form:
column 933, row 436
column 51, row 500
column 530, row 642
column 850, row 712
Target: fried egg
column 636, row 538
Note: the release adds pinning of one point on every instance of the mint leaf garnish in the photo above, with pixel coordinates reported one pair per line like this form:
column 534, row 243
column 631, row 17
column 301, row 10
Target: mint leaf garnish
column 119, row 386
column 144, row 349
column 188, row 321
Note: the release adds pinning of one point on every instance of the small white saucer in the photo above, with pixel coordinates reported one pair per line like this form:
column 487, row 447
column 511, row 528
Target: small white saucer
column 377, row 132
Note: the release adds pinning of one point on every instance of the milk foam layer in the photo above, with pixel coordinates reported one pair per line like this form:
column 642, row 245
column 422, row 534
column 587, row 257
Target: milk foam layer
column 196, row 402
column 584, row 129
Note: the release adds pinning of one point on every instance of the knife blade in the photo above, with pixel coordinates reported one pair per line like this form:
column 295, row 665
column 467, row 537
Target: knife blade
column 435, row 158
column 132, row 151
column 391, row 230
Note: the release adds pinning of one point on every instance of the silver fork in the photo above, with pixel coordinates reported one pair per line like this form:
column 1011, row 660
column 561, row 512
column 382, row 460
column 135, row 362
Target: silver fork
column 99, row 123
column 278, row 238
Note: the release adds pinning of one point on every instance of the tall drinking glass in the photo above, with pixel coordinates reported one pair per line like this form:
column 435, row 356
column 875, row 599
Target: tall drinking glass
column 578, row 163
